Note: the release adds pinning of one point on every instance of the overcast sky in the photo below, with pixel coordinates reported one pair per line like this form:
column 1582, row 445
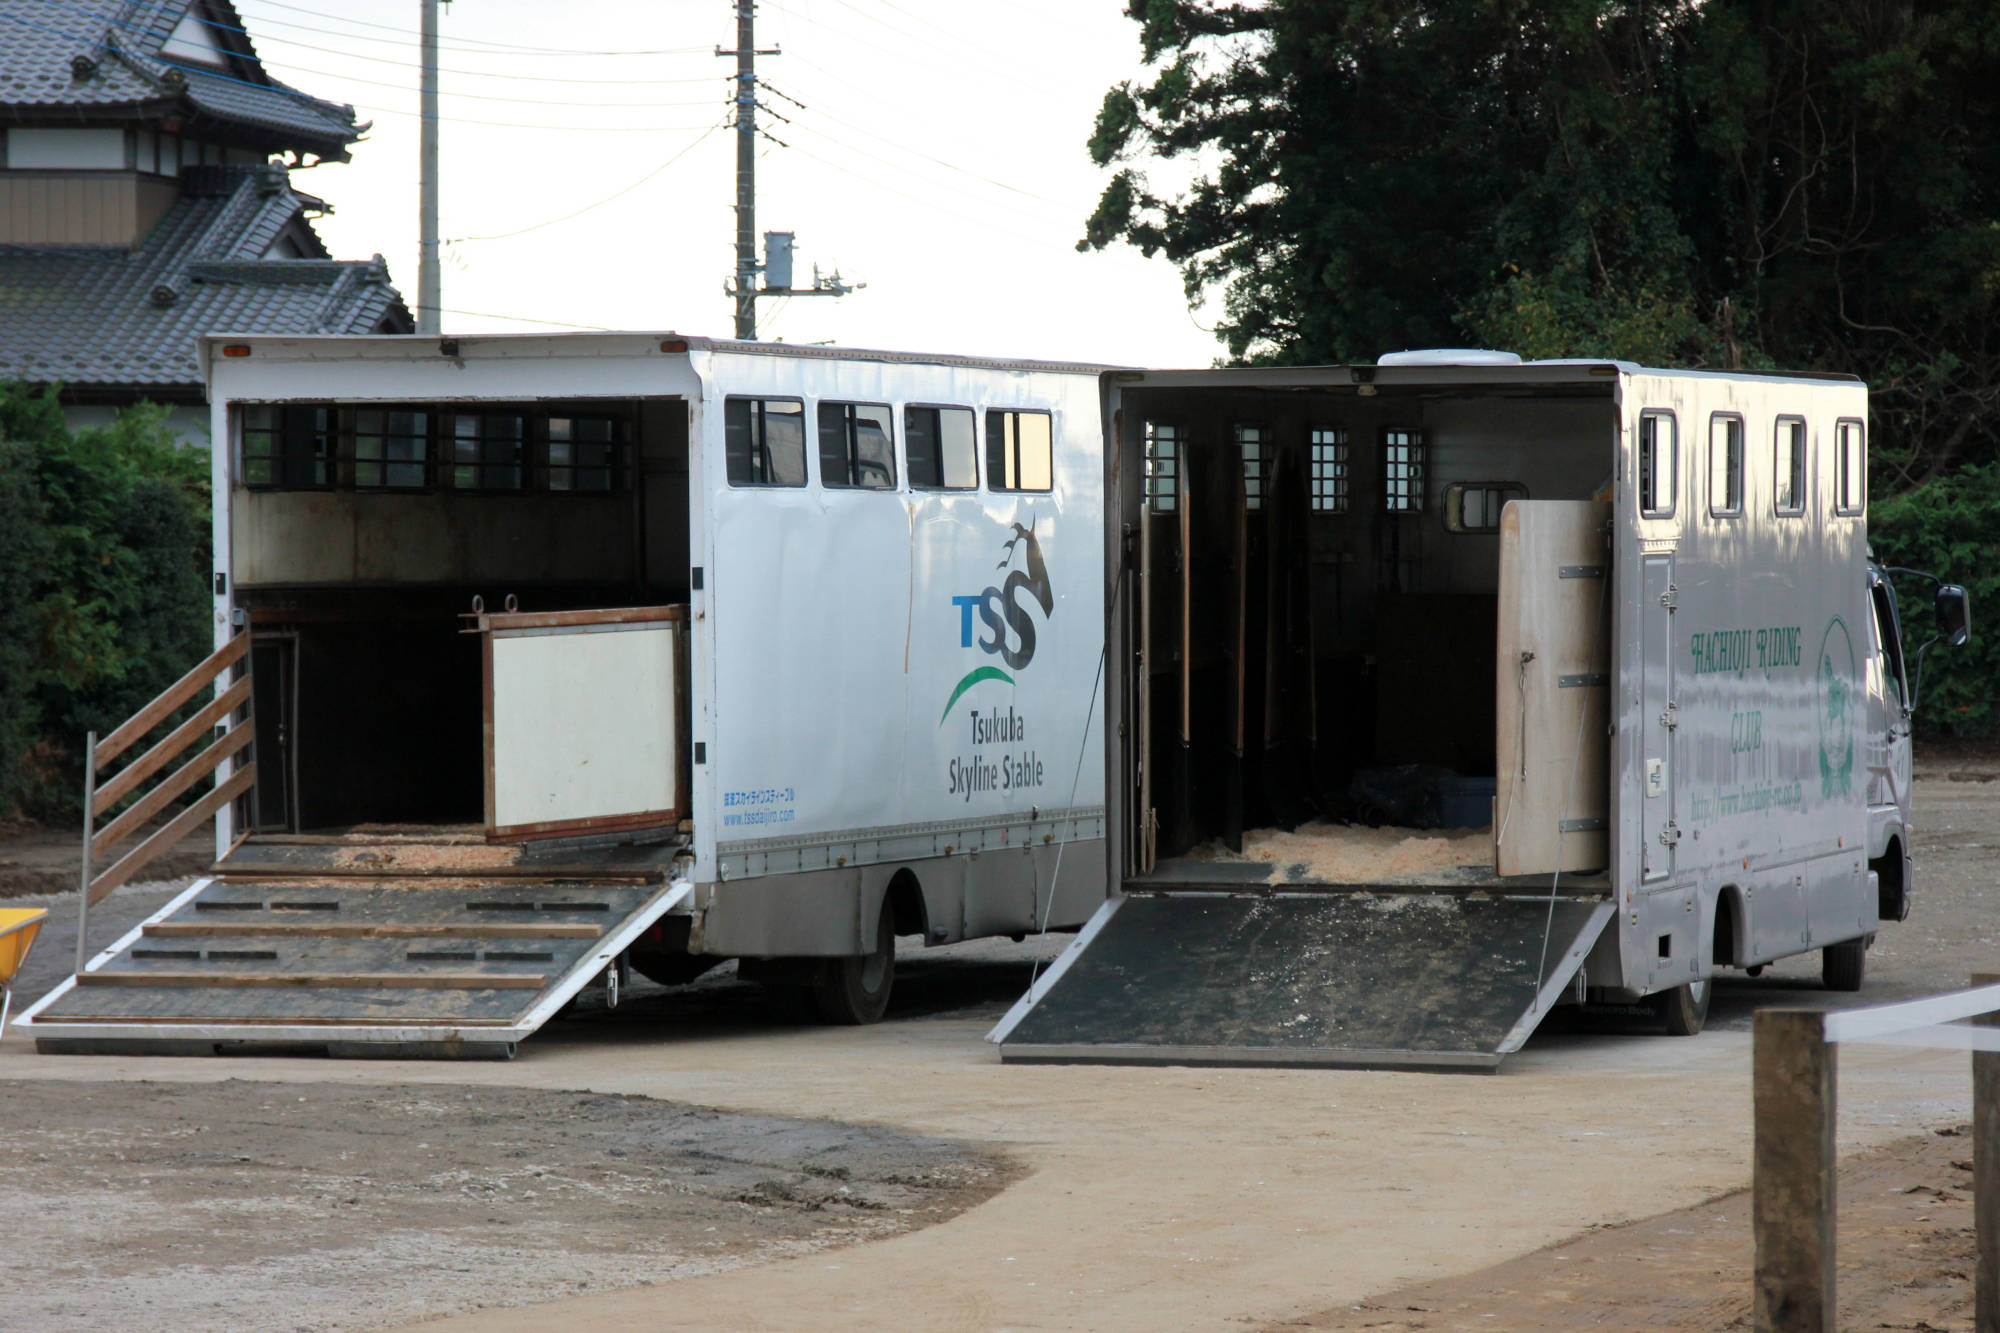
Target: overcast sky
column 936, row 153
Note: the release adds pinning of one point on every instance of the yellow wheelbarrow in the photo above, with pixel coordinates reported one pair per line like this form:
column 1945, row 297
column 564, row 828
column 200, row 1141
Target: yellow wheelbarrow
column 18, row 928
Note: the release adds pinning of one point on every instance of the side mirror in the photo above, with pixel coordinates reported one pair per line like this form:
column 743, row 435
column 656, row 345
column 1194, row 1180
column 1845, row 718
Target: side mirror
column 1954, row 615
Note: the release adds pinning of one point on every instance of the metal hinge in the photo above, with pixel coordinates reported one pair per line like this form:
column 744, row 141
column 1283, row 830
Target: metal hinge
column 1671, row 718
column 1671, row 598
column 1670, row 835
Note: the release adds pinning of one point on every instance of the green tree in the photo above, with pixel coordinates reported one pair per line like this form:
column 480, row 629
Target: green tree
column 1813, row 183
column 103, row 584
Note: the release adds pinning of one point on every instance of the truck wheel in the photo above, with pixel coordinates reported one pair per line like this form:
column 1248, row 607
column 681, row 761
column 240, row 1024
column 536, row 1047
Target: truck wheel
column 1841, row 965
column 1684, row 1009
column 856, row 990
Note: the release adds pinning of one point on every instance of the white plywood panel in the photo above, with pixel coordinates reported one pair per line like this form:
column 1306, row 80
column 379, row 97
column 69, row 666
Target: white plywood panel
column 584, row 725
column 1552, row 753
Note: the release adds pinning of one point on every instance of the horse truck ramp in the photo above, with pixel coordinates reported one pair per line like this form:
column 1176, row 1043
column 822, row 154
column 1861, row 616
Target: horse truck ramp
column 359, row 946
column 1349, row 978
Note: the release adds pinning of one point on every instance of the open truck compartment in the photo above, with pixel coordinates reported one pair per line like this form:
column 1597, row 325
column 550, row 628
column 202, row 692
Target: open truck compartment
column 1320, row 593
column 470, row 688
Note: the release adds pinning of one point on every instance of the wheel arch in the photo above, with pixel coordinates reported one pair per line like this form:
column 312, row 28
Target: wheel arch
column 1728, row 944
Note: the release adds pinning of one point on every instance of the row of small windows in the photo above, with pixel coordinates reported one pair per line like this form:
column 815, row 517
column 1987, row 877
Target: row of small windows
column 326, row 447
column 764, row 444
column 1328, row 479
column 1659, row 465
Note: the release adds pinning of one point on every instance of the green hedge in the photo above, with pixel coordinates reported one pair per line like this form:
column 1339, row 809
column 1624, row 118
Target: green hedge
column 1949, row 527
column 104, row 540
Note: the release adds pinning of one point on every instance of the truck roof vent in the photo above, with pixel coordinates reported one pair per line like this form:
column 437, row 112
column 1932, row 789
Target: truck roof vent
column 1448, row 356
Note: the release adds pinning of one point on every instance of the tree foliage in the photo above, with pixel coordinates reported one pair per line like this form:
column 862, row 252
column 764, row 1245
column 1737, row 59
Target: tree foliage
column 1952, row 523
column 1812, row 183
column 103, row 584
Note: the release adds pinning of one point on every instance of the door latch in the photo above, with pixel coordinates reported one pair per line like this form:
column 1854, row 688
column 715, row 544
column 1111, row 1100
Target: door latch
column 1671, row 598
column 1670, row 835
column 1671, row 718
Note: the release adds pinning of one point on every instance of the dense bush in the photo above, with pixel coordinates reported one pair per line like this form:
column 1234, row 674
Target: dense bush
column 104, row 542
column 1949, row 527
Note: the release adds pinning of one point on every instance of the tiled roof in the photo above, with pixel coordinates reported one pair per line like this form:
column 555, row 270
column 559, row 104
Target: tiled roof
column 104, row 315
column 119, row 42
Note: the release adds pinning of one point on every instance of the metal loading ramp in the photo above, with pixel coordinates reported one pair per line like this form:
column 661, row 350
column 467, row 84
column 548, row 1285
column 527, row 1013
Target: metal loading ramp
column 1357, row 979
column 391, row 961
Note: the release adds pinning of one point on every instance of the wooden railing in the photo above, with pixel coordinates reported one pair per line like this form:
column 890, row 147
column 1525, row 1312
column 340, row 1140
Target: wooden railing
column 99, row 799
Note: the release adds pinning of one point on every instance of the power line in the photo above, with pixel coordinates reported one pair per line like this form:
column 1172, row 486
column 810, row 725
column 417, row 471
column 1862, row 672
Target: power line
column 984, row 202
column 499, row 48
column 918, row 152
column 525, row 319
column 496, row 97
column 690, row 147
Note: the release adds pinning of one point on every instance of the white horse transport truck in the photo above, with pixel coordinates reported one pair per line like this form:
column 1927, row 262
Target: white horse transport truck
column 539, row 658
column 573, row 654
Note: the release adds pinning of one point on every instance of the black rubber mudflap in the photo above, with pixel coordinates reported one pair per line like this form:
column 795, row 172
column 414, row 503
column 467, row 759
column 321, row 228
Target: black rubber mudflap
column 1349, row 979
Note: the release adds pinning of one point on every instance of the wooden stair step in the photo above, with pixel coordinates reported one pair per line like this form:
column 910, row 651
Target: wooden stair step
column 384, row 930
column 320, row 980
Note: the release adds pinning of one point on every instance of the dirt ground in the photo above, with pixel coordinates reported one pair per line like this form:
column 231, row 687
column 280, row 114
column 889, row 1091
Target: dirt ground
column 38, row 859
column 1906, row 1256
column 1138, row 1199
column 215, row 1205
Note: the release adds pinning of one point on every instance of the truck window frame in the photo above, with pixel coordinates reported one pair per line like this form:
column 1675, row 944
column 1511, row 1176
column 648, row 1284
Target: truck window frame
column 998, row 436
column 909, row 468
column 1647, row 462
column 760, row 444
column 290, row 468
column 850, row 444
column 1730, row 506
column 1889, row 636
column 1162, row 441
column 1330, row 461
column 1253, row 454
column 1800, row 465
column 1405, row 454
column 1849, row 481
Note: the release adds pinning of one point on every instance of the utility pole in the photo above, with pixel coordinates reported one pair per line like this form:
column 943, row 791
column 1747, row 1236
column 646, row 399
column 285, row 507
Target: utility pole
column 746, row 168
column 428, row 292
column 779, row 251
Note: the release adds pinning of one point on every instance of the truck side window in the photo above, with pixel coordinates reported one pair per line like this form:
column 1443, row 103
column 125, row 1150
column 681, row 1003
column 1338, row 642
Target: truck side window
column 390, row 448
column 1851, row 496
column 1659, row 464
column 1252, row 444
column 764, row 441
column 1725, row 465
column 488, row 451
column 1020, row 450
column 586, row 453
column 855, row 447
column 288, row 447
column 1402, row 470
column 1888, row 636
column 1163, row 467
column 1329, row 470
column 944, row 453
column 1788, row 465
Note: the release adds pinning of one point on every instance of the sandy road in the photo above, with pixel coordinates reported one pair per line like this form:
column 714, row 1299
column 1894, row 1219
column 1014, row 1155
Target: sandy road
column 1208, row 1199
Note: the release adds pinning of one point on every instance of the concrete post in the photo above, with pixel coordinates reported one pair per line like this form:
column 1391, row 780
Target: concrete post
column 1792, row 1191
column 1986, row 1174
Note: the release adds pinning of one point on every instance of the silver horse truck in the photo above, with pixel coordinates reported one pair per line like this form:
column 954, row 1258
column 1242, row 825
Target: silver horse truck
column 1625, row 618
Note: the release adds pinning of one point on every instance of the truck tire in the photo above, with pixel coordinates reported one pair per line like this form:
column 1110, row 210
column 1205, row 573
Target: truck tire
column 1684, row 1009
column 1842, row 965
column 856, row 990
